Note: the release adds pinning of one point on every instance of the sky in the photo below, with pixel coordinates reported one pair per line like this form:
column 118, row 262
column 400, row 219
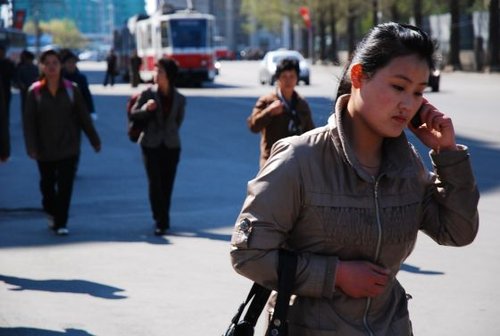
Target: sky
column 150, row 6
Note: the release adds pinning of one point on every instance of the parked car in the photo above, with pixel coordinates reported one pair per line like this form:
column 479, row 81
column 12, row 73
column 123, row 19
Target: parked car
column 251, row 53
column 92, row 55
column 223, row 53
column 267, row 71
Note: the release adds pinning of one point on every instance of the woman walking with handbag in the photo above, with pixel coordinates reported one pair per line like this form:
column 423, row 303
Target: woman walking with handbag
column 350, row 197
column 161, row 109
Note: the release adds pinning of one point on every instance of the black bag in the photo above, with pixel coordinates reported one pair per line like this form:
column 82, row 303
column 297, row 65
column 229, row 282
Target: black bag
column 135, row 127
column 259, row 295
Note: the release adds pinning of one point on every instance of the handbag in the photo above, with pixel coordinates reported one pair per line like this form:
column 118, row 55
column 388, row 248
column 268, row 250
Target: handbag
column 258, row 296
column 136, row 127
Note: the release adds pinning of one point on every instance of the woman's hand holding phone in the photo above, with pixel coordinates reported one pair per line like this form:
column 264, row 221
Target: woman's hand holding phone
column 433, row 128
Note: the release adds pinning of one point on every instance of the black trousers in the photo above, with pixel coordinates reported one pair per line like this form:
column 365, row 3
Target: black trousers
column 109, row 77
column 161, row 166
column 56, row 186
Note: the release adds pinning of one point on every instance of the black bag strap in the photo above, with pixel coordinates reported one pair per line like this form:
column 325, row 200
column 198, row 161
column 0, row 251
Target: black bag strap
column 260, row 296
column 286, row 281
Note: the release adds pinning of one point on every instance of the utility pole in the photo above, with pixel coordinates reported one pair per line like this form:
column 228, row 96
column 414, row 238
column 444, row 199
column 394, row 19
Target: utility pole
column 310, row 36
column 111, row 8
column 230, row 32
column 38, row 32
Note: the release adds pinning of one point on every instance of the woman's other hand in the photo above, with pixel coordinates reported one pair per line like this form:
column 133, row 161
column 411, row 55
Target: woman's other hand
column 360, row 279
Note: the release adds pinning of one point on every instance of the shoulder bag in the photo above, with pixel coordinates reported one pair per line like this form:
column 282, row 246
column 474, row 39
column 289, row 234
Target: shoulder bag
column 258, row 297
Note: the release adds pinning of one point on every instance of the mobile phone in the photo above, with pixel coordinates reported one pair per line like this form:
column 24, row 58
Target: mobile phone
column 416, row 121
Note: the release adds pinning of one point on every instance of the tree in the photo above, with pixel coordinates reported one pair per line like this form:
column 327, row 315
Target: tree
column 493, row 49
column 454, row 54
column 352, row 16
column 417, row 12
column 333, row 52
column 64, row 32
column 375, row 10
column 322, row 35
column 268, row 14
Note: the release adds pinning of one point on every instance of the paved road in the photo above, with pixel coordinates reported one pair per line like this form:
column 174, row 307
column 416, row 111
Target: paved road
column 112, row 276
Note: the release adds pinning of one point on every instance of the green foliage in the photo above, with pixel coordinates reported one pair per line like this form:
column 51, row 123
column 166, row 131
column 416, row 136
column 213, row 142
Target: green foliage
column 268, row 14
column 64, row 32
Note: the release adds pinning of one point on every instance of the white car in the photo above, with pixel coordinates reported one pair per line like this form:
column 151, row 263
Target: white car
column 271, row 59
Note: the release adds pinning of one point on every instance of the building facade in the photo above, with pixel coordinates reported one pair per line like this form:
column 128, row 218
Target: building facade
column 94, row 18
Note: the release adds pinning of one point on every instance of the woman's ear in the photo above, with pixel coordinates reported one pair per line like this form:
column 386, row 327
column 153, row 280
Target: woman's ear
column 356, row 75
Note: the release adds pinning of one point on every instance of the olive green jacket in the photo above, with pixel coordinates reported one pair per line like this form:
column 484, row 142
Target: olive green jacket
column 53, row 124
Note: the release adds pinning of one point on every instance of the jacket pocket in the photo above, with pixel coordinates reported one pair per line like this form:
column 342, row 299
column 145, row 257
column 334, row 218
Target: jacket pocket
column 401, row 327
column 341, row 219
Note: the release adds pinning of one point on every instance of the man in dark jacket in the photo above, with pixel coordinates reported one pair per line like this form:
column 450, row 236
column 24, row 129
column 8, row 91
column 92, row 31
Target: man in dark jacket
column 71, row 72
column 8, row 70
column 281, row 113
column 135, row 66
column 4, row 126
column 26, row 74
column 111, row 68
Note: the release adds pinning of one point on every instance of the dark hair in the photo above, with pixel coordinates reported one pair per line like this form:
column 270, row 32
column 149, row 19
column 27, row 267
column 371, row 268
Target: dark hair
column 28, row 55
column 47, row 53
column 382, row 44
column 67, row 54
column 171, row 68
column 287, row 64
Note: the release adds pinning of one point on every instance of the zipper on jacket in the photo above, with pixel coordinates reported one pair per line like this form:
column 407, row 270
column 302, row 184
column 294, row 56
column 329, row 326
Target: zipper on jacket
column 377, row 252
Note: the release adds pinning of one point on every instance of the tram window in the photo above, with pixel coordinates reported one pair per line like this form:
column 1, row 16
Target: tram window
column 149, row 40
column 165, row 36
column 189, row 33
column 145, row 37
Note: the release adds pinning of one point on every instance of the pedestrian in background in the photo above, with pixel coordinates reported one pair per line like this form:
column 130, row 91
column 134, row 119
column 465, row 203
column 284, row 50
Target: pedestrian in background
column 281, row 113
column 350, row 197
column 111, row 70
column 7, row 71
column 54, row 117
column 162, row 109
column 71, row 72
column 4, row 126
column 135, row 66
column 26, row 74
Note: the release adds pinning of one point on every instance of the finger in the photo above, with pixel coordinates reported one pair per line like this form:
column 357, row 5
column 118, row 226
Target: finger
column 442, row 122
column 381, row 280
column 379, row 269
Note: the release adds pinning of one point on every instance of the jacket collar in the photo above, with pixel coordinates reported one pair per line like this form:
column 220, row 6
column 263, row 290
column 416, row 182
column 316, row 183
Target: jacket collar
column 397, row 157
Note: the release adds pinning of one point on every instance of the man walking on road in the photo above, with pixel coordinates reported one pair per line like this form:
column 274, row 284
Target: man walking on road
column 111, row 68
column 281, row 113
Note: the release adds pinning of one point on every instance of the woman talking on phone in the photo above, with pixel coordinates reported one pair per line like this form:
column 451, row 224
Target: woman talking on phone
column 351, row 197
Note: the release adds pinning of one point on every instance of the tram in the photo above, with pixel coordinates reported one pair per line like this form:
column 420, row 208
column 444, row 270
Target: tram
column 186, row 36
